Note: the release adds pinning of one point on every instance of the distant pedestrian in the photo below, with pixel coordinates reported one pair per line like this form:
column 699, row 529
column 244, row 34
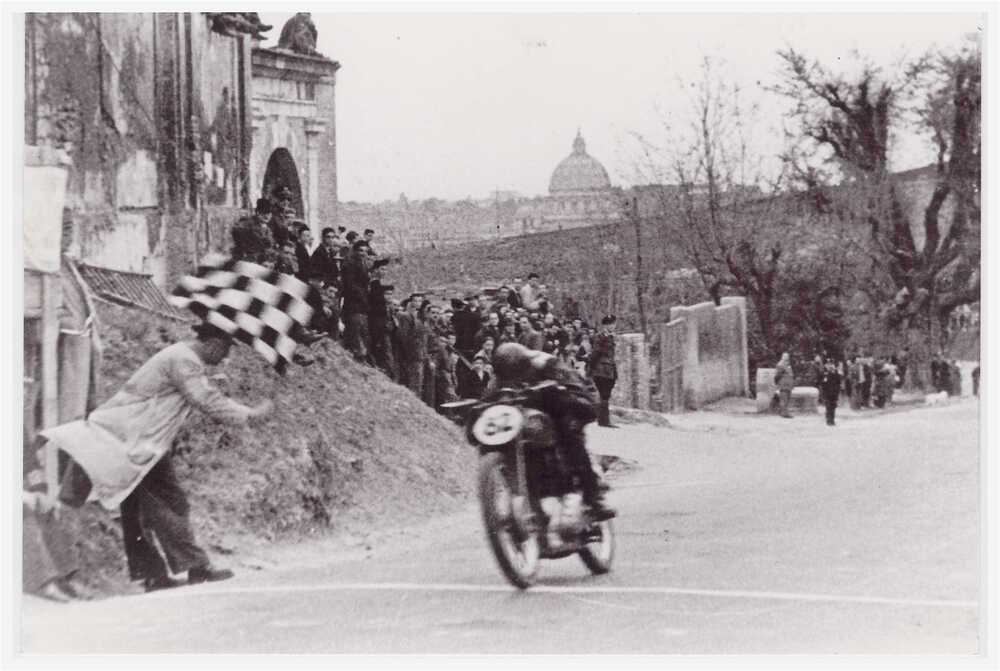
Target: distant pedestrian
column 855, row 381
column 955, row 379
column 902, row 365
column 830, row 385
column 784, row 377
column 867, row 380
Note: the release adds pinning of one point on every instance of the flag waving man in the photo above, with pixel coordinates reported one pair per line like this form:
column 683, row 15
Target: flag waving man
column 121, row 452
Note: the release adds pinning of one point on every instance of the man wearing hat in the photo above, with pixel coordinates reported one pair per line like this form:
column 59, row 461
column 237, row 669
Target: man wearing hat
column 602, row 369
column 124, row 447
column 252, row 238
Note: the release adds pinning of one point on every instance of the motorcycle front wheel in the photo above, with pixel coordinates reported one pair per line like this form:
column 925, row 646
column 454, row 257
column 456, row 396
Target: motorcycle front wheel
column 598, row 554
column 516, row 553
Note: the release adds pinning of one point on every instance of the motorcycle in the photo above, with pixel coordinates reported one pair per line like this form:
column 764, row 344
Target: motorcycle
column 532, row 507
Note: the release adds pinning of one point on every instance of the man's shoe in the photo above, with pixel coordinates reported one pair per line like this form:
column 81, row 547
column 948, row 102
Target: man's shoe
column 54, row 592
column 160, row 582
column 208, row 574
column 75, row 589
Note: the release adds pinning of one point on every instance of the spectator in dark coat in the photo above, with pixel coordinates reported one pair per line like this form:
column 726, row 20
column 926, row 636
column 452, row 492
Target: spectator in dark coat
column 325, row 261
column 954, row 379
column 475, row 384
column 830, row 389
column 302, row 245
column 602, row 369
column 252, row 237
column 867, row 380
column 411, row 346
column 445, row 381
column 465, row 323
column 432, row 347
column 355, row 280
column 381, row 325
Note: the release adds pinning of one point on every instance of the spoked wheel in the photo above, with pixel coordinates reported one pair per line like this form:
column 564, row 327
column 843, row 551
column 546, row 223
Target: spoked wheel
column 599, row 553
column 516, row 552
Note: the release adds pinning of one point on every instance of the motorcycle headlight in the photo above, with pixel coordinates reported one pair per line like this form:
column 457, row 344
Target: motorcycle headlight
column 499, row 424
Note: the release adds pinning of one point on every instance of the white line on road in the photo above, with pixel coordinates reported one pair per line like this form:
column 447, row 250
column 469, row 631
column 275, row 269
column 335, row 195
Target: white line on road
column 665, row 483
column 561, row 589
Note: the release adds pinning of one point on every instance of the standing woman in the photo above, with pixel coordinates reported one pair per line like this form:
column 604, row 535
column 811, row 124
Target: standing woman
column 602, row 369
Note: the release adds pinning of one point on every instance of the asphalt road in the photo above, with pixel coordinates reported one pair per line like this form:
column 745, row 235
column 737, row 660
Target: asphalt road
column 735, row 535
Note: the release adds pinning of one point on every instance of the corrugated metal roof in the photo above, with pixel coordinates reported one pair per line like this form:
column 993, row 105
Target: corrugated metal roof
column 133, row 289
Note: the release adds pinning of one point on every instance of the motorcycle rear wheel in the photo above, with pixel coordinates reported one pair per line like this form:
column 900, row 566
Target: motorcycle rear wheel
column 516, row 554
column 598, row 555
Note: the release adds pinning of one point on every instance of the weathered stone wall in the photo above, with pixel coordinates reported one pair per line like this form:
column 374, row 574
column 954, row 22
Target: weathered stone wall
column 715, row 350
column 148, row 109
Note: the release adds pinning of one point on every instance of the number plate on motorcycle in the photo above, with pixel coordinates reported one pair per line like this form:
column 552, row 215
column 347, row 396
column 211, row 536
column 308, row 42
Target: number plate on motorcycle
column 497, row 425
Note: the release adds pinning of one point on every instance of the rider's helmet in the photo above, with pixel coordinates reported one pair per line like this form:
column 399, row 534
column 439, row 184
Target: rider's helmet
column 512, row 363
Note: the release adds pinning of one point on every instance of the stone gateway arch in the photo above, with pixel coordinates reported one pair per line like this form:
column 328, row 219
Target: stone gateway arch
column 294, row 141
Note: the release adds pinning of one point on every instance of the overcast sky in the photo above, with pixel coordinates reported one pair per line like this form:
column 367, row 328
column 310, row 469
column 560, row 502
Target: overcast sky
column 456, row 105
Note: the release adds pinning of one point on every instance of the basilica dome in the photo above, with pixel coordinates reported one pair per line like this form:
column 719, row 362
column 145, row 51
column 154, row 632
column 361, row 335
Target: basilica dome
column 579, row 172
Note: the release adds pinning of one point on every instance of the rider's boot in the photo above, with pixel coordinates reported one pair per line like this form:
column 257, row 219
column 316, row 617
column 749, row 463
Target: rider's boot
column 599, row 511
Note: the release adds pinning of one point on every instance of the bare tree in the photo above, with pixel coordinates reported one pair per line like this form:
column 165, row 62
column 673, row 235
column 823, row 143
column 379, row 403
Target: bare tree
column 929, row 263
column 722, row 202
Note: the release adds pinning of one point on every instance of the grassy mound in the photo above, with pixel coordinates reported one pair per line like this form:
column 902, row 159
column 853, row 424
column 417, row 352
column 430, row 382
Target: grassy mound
column 345, row 448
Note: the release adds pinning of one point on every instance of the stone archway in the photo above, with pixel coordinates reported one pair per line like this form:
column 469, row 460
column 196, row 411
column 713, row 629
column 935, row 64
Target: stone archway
column 282, row 172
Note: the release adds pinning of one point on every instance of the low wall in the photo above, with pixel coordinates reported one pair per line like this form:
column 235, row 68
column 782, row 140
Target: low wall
column 703, row 358
column 714, row 350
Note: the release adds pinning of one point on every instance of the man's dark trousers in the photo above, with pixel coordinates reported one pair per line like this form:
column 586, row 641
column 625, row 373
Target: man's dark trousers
column 604, row 386
column 158, row 508
column 831, row 410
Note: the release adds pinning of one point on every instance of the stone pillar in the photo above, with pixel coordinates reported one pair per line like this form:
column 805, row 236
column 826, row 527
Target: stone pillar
column 621, row 395
column 741, row 303
column 692, row 374
column 765, row 389
column 314, row 132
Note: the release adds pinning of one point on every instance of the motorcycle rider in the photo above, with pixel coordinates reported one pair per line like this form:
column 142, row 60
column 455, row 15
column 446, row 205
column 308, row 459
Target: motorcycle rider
column 572, row 406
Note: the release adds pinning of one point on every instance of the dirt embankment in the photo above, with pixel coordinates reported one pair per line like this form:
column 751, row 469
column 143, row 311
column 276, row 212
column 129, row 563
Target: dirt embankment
column 345, row 448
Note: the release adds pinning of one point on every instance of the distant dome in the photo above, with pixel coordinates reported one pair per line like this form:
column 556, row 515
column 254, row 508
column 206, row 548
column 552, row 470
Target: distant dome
column 579, row 171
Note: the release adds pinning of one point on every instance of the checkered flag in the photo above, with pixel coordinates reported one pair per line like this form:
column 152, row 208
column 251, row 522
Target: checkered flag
column 262, row 308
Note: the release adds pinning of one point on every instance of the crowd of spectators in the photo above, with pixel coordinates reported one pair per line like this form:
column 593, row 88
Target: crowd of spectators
column 438, row 346
column 867, row 381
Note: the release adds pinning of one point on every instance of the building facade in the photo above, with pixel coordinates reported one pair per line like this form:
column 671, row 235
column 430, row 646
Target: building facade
column 294, row 141
column 151, row 115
